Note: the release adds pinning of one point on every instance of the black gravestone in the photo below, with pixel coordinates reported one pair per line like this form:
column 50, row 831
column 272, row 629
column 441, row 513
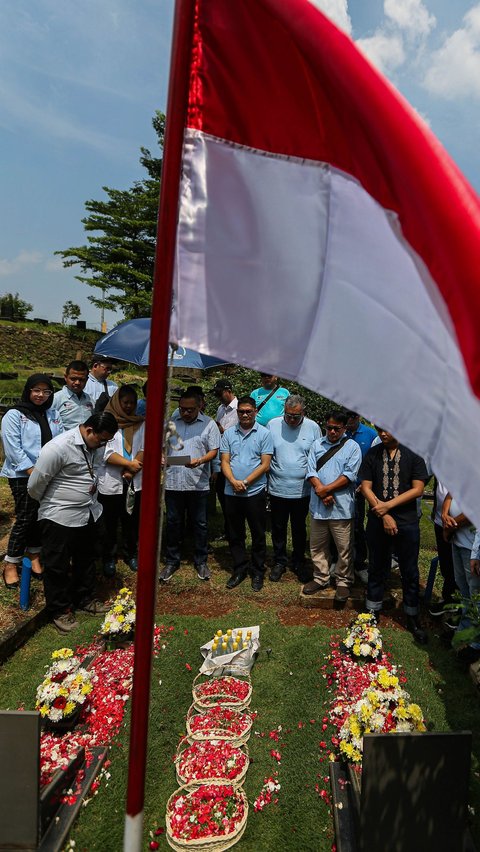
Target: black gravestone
column 19, row 780
column 414, row 792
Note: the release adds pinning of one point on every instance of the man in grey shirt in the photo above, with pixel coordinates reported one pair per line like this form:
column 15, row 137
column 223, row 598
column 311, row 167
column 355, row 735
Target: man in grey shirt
column 187, row 485
column 72, row 403
column 64, row 481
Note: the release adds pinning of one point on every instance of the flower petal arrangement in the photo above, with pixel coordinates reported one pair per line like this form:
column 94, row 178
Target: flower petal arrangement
column 369, row 699
column 364, row 640
column 64, row 689
column 120, row 619
column 213, row 813
column 228, row 691
column 216, row 760
column 219, row 723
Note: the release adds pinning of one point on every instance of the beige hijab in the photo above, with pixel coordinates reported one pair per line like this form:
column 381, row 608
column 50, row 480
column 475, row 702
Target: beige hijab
column 128, row 423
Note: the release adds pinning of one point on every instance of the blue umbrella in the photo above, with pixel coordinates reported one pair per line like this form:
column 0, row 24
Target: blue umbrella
column 130, row 341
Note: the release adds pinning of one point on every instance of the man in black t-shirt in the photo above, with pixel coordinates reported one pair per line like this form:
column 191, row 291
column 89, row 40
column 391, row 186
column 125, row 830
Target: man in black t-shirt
column 392, row 477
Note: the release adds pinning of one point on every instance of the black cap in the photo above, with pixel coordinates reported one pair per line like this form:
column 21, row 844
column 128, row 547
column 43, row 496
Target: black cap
column 221, row 385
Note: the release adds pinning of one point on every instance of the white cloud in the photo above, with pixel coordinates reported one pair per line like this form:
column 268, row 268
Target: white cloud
column 412, row 16
column 337, row 11
column 405, row 27
column 18, row 263
column 54, row 264
column 384, row 50
column 455, row 67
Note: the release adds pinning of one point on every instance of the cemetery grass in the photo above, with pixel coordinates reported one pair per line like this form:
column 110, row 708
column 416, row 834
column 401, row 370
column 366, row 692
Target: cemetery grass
column 288, row 690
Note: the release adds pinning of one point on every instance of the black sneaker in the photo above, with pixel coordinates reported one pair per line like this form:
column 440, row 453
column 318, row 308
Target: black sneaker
column 437, row 609
column 167, row 572
column 468, row 655
column 203, row 572
column 257, row 582
column 452, row 620
column 276, row 573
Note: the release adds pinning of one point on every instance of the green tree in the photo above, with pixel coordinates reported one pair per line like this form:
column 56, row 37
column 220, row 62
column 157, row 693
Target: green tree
column 119, row 256
column 70, row 311
column 13, row 307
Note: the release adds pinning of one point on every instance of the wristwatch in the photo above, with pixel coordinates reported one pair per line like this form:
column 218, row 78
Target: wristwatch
column 245, row 483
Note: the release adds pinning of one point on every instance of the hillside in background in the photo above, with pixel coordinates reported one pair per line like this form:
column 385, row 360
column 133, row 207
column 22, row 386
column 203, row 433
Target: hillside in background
column 28, row 345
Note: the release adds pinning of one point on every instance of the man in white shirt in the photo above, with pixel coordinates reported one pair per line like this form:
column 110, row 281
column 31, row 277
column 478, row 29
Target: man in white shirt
column 64, row 481
column 226, row 416
column 187, row 486
column 98, row 381
column 72, row 403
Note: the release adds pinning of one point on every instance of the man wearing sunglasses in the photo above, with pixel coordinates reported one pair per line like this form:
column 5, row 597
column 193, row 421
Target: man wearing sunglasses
column 245, row 451
column 333, row 465
column 293, row 435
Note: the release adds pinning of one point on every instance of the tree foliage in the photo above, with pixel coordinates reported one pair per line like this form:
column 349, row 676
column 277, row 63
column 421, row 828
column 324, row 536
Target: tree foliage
column 70, row 311
column 13, row 307
column 121, row 231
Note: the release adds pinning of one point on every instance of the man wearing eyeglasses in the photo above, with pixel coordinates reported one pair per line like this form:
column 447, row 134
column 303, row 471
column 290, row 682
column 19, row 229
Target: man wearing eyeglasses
column 289, row 490
column 64, row 481
column 245, row 451
column 333, row 465
column 187, row 486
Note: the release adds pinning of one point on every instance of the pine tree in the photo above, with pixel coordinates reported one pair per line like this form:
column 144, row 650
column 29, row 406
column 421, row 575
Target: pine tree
column 119, row 256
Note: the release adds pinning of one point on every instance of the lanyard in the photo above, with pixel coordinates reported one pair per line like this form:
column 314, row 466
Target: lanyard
column 89, row 464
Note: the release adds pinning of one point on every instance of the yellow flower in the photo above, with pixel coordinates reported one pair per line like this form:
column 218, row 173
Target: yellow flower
column 347, row 748
column 69, row 708
column 43, row 709
column 62, row 654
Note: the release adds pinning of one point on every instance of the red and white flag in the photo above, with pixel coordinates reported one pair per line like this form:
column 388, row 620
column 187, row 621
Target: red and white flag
column 324, row 233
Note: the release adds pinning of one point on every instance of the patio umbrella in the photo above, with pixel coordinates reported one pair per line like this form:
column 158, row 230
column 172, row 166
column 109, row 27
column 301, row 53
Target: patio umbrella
column 130, row 341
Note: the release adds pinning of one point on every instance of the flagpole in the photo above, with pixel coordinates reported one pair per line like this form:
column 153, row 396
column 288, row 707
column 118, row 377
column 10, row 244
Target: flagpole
column 157, row 382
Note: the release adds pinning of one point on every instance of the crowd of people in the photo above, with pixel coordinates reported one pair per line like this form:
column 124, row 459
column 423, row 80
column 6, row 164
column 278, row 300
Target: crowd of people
column 74, row 461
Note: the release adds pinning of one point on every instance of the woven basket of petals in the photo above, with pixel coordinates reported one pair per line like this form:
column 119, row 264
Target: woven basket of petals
column 219, row 723
column 210, row 818
column 227, row 690
column 202, row 762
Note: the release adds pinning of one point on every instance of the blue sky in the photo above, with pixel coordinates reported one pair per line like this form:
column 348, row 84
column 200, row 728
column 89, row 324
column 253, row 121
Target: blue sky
column 80, row 81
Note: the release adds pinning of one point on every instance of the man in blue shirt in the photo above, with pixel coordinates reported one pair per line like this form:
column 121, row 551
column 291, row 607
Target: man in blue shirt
column 269, row 399
column 246, row 450
column 332, row 505
column 293, row 435
column 72, row 403
column 363, row 435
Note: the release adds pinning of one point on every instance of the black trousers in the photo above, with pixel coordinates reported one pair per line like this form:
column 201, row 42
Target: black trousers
column 295, row 511
column 220, row 491
column 113, row 514
column 252, row 511
column 445, row 560
column 360, row 552
column 407, row 546
column 25, row 531
column 69, row 567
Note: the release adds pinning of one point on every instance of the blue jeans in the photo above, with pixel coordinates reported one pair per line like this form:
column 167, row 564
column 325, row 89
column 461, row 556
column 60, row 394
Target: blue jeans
column 179, row 505
column 467, row 582
column 407, row 546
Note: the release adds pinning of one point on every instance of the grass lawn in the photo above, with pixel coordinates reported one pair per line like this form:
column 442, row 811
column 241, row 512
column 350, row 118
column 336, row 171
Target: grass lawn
column 288, row 689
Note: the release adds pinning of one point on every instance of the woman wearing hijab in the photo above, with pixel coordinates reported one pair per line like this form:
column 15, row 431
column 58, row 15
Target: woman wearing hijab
column 120, row 480
column 26, row 427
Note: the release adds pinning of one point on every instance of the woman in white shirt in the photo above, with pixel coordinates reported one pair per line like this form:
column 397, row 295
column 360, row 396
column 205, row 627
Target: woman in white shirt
column 26, row 427
column 120, row 480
